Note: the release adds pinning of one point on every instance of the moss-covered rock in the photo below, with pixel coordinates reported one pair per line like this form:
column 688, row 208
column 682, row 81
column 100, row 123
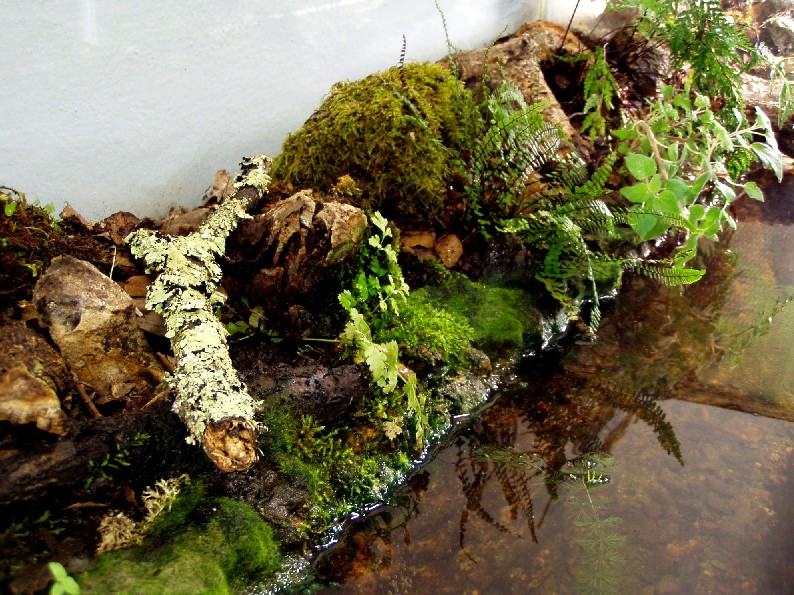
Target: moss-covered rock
column 396, row 133
column 233, row 548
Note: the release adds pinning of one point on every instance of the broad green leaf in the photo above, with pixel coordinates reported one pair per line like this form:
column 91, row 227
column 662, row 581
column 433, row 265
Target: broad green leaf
column 625, row 134
column 648, row 227
column 696, row 213
column 770, row 157
column 640, row 166
column 638, row 193
column 680, row 188
column 725, row 190
column 769, row 134
column 722, row 136
column 667, row 202
column 753, row 191
column 699, row 184
column 655, row 184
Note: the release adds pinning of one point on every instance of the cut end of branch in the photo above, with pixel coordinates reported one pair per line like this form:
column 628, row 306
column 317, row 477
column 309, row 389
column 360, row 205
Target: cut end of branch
column 231, row 444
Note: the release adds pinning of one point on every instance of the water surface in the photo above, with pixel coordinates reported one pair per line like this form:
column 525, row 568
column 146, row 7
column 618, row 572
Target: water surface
column 687, row 397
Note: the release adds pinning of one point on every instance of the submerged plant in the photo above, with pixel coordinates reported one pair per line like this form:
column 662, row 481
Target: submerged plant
column 600, row 562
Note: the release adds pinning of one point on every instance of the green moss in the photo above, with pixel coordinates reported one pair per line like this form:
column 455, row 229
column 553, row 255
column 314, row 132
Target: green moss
column 501, row 317
column 396, row 133
column 424, row 327
column 221, row 554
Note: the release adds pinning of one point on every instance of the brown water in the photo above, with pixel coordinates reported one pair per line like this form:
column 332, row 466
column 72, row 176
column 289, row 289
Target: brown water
column 700, row 498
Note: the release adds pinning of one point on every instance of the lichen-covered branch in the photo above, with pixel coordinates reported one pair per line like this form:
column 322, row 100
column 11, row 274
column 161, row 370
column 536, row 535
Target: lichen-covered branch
column 211, row 399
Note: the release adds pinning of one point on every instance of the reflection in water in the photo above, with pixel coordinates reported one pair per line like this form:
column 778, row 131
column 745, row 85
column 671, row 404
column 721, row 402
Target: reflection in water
column 496, row 512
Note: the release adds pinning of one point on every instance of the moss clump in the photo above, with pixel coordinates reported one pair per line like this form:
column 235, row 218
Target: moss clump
column 396, row 133
column 223, row 553
column 431, row 332
column 501, row 317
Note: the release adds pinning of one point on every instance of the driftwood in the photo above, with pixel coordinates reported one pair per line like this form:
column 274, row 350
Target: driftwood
column 211, row 399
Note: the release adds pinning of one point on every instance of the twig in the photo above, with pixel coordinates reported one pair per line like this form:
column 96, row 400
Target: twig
column 86, row 399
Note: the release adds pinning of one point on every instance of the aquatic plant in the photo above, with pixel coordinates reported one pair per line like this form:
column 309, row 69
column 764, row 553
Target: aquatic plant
column 601, row 560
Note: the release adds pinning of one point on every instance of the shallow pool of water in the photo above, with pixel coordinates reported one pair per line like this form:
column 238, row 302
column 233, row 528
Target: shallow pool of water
column 689, row 396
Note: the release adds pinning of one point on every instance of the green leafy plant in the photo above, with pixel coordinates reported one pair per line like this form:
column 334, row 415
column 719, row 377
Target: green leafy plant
column 381, row 360
column 377, row 286
column 700, row 36
column 780, row 78
column 516, row 144
column 600, row 87
column 681, row 156
column 600, row 561
column 114, row 460
column 63, row 584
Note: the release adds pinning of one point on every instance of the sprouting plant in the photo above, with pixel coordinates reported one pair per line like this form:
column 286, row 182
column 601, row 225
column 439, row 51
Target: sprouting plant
column 700, row 35
column 381, row 360
column 113, row 460
column 600, row 87
column 62, row 582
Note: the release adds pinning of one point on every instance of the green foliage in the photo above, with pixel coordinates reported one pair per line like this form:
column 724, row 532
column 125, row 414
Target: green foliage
column 599, row 89
column 600, row 560
column 499, row 317
column 779, row 77
column 700, row 35
column 220, row 546
column 428, row 327
column 62, row 582
column 396, row 133
column 686, row 164
column 377, row 287
column 381, row 360
column 114, row 460
column 517, row 142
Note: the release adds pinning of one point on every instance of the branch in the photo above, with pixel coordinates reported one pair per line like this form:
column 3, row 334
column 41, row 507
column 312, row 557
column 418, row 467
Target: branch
column 211, row 399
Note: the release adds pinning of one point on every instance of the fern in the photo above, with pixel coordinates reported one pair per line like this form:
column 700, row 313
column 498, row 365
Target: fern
column 599, row 89
column 382, row 361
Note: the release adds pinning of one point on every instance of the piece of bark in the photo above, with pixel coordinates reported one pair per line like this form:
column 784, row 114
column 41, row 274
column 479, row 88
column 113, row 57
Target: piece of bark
column 518, row 58
column 32, row 375
column 93, row 323
column 211, row 399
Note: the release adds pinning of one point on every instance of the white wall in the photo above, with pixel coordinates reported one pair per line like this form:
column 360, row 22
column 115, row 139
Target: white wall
column 133, row 105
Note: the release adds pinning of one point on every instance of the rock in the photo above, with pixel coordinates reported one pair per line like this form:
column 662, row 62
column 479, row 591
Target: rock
column 32, row 374
column 324, row 393
column 418, row 243
column 92, row 321
column 777, row 33
column 449, row 249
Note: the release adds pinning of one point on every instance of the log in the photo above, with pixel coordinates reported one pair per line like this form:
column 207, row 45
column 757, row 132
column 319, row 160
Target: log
column 211, row 399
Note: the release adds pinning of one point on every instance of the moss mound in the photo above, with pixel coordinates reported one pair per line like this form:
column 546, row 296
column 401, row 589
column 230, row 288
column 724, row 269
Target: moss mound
column 228, row 551
column 501, row 317
column 396, row 133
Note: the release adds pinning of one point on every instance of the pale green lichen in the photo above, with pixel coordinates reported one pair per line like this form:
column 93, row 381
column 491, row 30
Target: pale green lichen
column 207, row 386
column 118, row 531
